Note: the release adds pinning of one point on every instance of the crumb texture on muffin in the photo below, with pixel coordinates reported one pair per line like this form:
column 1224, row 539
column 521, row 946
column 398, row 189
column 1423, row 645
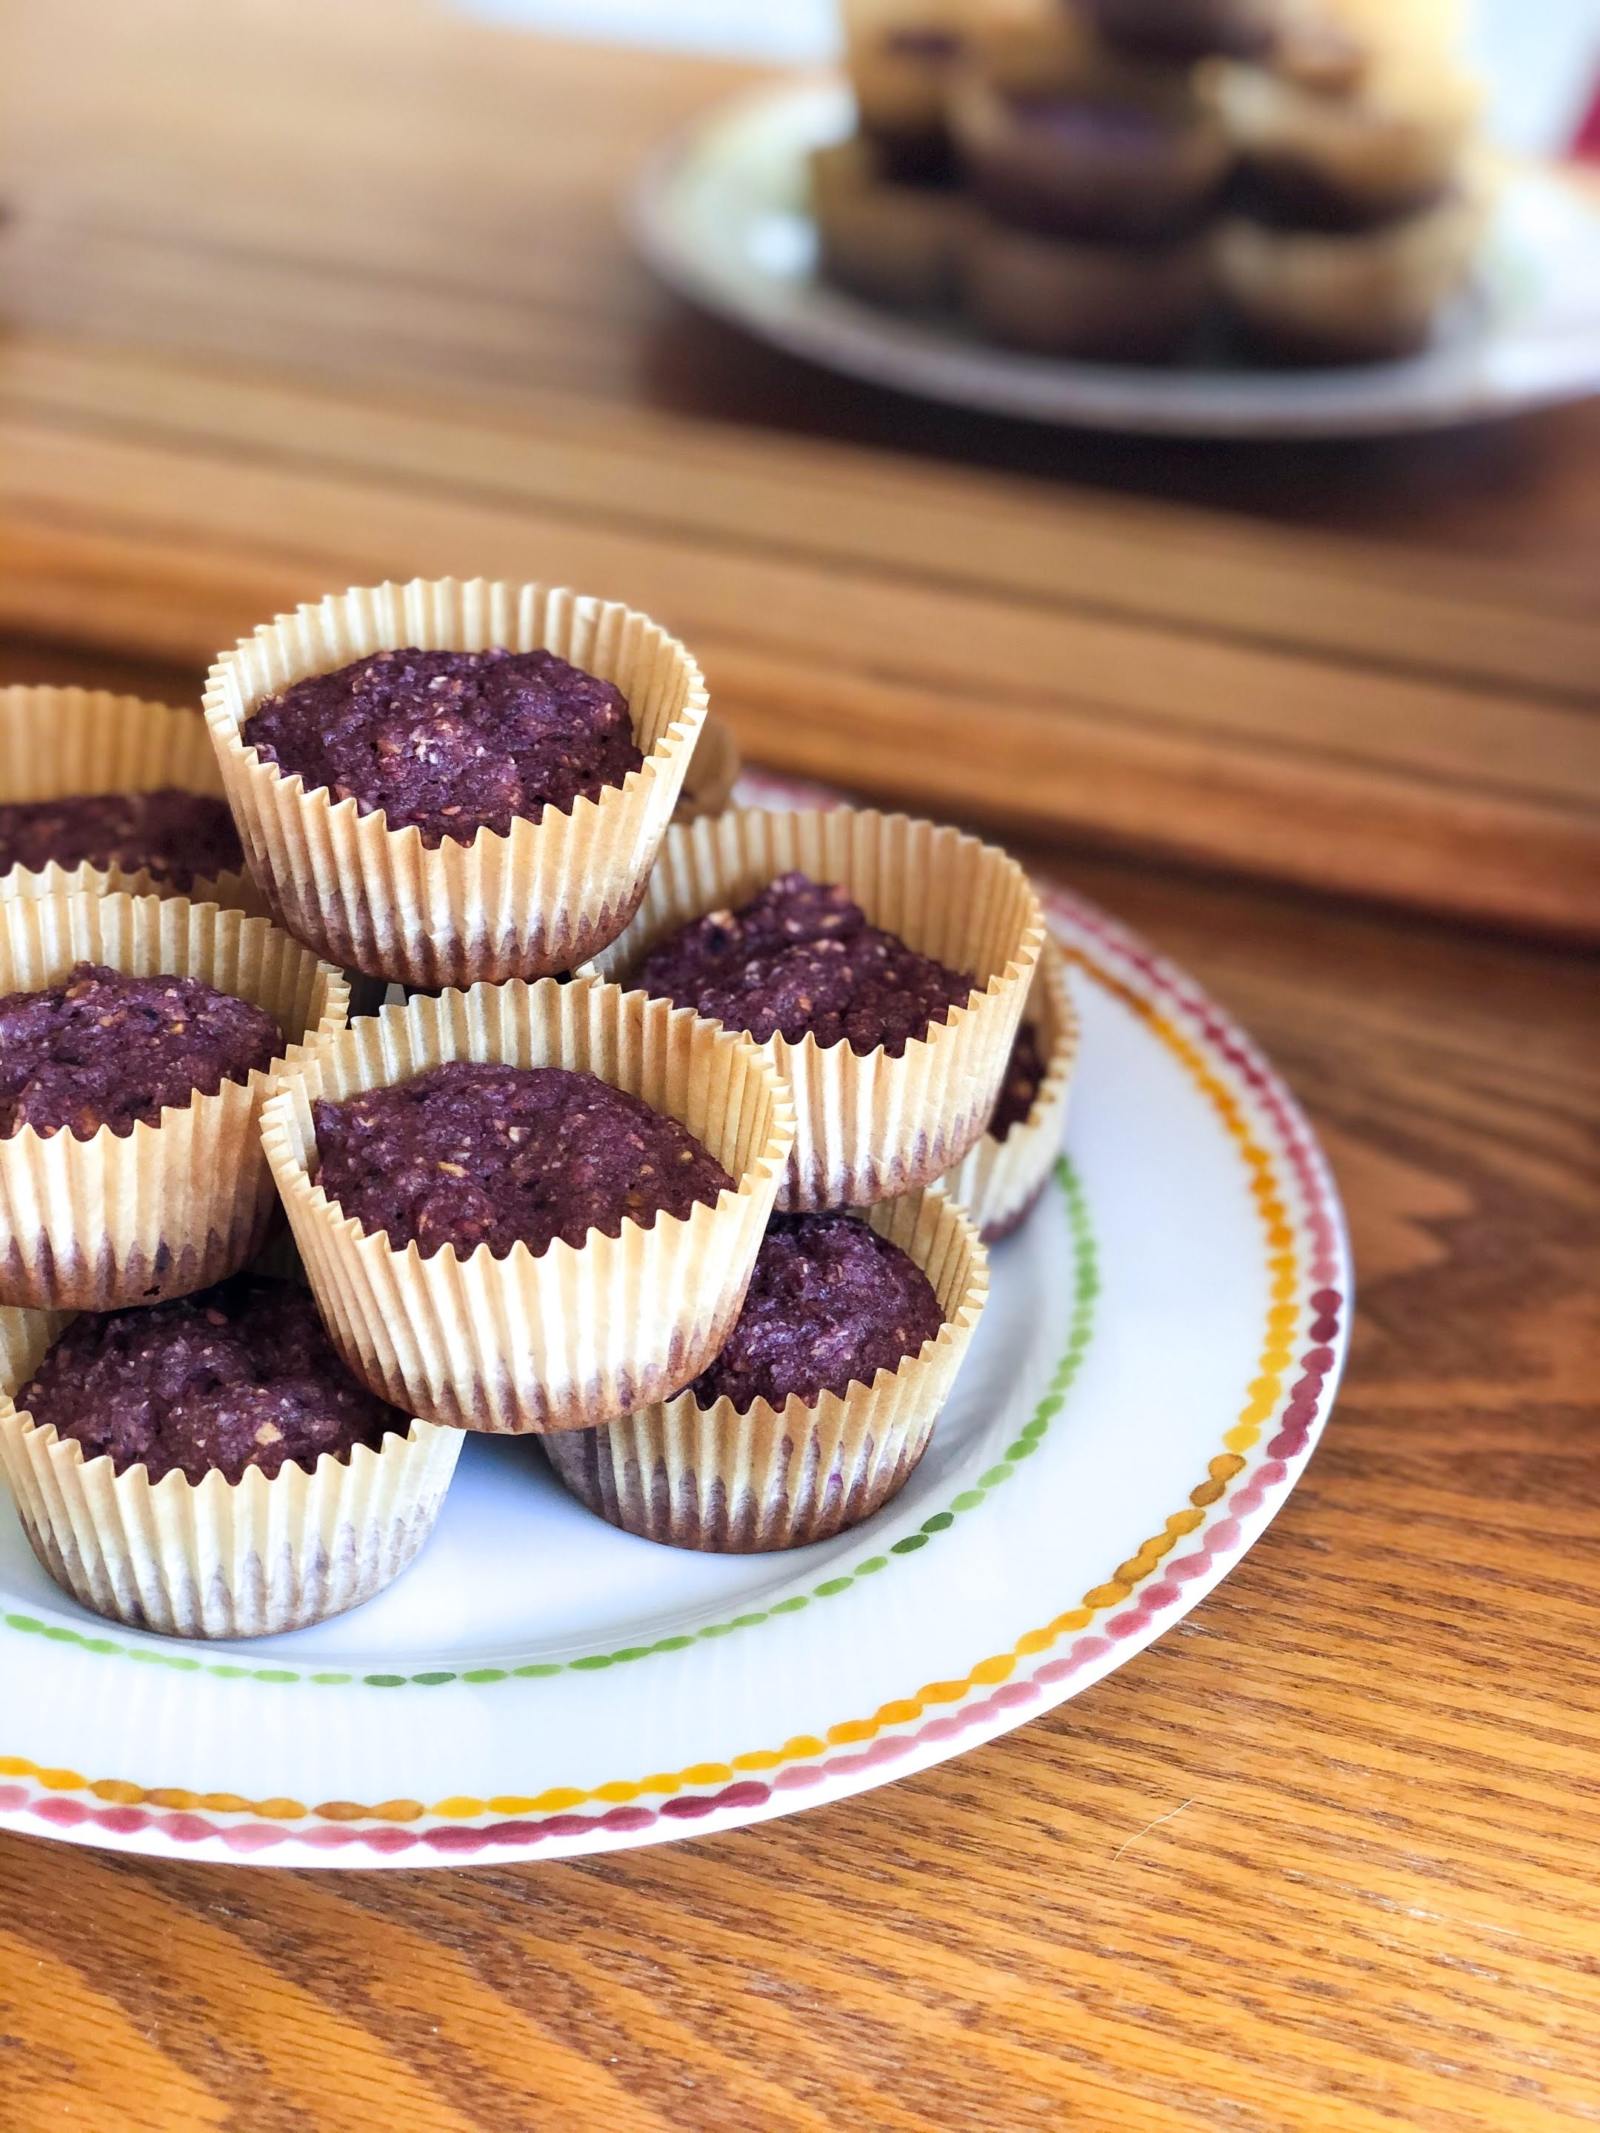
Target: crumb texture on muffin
column 104, row 1048
column 471, row 1153
column 801, row 959
column 177, row 837
column 451, row 742
column 240, row 1376
column 830, row 1303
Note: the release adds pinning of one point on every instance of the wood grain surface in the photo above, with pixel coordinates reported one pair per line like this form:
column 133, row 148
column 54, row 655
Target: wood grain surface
column 339, row 290
column 393, row 326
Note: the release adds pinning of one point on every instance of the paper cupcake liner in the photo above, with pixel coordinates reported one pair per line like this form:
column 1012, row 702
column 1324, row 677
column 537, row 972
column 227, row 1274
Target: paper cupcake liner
column 712, row 774
column 214, row 1558
column 998, row 1181
column 872, row 1127
column 577, row 1334
column 523, row 905
column 58, row 742
column 778, row 1477
column 889, row 241
column 1374, row 288
column 167, row 1208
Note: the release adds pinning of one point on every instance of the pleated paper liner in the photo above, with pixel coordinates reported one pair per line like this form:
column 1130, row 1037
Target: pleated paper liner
column 374, row 899
column 712, row 774
column 214, row 1558
column 55, row 743
column 577, row 1334
column 167, row 1208
column 869, row 1127
column 997, row 1181
column 779, row 1477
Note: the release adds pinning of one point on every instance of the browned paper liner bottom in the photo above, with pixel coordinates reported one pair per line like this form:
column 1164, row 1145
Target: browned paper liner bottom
column 869, row 1127
column 138, row 1217
column 996, row 1181
column 536, row 901
column 773, row 1477
column 57, row 742
column 221, row 1559
column 578, row 1334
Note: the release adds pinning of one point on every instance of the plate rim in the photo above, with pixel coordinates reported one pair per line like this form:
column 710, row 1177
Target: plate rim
column 1018, row 386
column 857, row 1755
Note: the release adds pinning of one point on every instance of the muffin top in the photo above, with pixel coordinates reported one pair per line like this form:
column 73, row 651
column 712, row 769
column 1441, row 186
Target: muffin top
column 240, row 1376
column 1024, row 1079
column 106, row 1049
column 451, row 742
column 801, row 959
column 830, row 1303
column 469, row 1153
column 179, row 837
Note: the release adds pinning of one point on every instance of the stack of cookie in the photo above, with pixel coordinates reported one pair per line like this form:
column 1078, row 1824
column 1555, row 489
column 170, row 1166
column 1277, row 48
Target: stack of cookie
column 1110, row 179
column 680, row 1157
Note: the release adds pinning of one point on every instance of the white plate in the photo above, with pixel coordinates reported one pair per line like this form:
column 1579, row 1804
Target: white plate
column 1160, row 1351
column 722, row 217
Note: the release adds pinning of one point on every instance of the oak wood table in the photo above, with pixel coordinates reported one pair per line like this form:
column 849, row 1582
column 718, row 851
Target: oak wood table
column 301, row 294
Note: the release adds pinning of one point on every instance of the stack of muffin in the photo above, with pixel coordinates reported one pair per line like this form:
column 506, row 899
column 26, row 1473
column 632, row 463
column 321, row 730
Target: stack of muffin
column 679, row 1154
column 1122, row 179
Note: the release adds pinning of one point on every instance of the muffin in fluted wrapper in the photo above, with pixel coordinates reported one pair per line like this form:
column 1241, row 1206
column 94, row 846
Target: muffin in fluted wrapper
column 60, row 743
column 214, row 1558
column 876, row 1123
column 734, row 1481
column 1000, row 1177
column 535, row 900
column 133, row 1217
column 576, row 1333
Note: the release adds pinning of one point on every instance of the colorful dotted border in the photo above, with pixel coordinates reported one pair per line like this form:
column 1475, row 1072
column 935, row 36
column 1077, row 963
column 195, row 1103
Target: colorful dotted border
column 1080, row 1332
column 806, row 1762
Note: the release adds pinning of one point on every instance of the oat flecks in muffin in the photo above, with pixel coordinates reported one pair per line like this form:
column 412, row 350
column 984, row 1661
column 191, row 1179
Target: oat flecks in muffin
column 801, row 959
column 471, row 1153
column 830, row 1304
column 241, row 1376
column 104, row 1048
column 177, row 837
column 451, row 743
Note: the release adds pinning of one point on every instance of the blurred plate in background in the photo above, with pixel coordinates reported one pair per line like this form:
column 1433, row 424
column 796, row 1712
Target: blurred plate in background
column 721, row 216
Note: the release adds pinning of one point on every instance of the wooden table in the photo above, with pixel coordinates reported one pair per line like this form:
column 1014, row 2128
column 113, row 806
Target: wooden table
column 306, row 293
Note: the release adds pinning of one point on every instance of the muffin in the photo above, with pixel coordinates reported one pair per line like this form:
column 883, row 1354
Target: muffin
column 1333, row 155
column 881, row 963
column 1142, row 167
column 899, row 55
column 137, row 1038
column 823, row 1399
column 1112, row 303
column 102, row 792
column 439, row 783
column 1003, row 1174
column 1368, row 296
column 207, row 1468
column 881, row 238
column 529, row 1207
